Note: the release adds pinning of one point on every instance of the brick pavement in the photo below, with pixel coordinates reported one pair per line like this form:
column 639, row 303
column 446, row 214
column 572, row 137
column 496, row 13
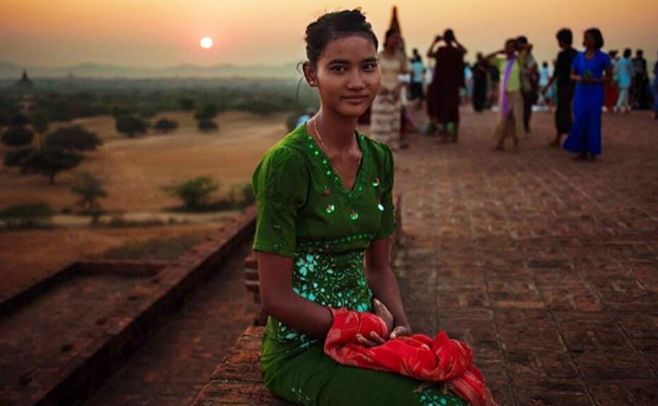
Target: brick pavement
column 548, row 267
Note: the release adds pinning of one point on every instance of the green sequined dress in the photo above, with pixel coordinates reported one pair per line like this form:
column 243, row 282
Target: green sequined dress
column 305, row 212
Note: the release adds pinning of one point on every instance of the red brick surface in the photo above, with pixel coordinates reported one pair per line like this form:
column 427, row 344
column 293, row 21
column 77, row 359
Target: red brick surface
column 546, row 266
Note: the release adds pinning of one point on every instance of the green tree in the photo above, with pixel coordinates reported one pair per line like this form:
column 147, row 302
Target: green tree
column 187, row 103
column 19, row 120
column 40, row 122
column 131, row 125
column 17, row 157
column 165, row 125
column 17, row 136
column 194, row 192
column 90, row 189
column 26, row 214
column 51, row 161
column 207, row 112
column 73, row 138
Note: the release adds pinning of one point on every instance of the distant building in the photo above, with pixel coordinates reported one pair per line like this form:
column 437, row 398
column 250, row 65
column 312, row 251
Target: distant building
column 395, row 25
column 25, row 82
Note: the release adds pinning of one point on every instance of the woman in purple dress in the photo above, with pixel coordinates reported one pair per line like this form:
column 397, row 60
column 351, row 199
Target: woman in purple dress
column 589, row 70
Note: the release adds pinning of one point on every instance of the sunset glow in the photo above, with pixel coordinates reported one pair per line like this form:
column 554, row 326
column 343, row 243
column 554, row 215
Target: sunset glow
column 157, row 33
column 206, row 42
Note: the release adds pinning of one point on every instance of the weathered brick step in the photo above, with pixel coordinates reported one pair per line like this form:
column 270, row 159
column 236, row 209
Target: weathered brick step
column 61, row 341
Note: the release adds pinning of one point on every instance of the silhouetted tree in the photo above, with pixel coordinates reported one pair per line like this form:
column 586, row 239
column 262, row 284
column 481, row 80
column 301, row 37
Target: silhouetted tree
column 17, row 157
column 51, row 161
column 131, row 125
column 187, row 103
column 17, row 136
column 194, row 192
column 73, row 138
column 90, row 189
column 165, row 125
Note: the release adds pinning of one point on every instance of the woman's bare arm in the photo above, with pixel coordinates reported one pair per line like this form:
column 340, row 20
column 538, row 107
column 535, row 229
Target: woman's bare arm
column 383, row 282
column 279, row 300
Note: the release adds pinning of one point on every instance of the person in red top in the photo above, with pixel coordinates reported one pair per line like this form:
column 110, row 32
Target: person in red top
column 443, row 92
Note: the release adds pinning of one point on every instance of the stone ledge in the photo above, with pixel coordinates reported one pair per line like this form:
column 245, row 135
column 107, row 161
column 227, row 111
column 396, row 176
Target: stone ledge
column 237, row 380
column 86, row 360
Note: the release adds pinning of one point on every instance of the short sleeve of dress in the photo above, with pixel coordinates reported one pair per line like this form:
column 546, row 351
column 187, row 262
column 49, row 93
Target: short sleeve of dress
column 386, row 171
column 280, row 184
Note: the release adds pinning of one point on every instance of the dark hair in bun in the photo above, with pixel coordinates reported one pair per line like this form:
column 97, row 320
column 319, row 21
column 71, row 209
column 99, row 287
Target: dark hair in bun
column 336, row 25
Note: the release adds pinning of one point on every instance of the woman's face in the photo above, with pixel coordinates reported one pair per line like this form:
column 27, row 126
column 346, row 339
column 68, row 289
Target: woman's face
column 589, row 41
column 347, row 75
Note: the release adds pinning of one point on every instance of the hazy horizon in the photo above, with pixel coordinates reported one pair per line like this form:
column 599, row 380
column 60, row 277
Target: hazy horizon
column 150, row 34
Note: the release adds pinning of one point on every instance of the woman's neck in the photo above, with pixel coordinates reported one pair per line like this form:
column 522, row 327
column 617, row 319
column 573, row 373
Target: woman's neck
column 337, row 131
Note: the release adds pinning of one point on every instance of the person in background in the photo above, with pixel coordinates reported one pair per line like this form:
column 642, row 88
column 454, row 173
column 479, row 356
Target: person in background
column 443, row 93
column 510, row 122
column 565, row 85
column 589, row 69
column 386, row 111
column 305, row 117
column 611, row 83
column 494, row 85
column 417, row 82
column 544, row 78
column 623, row 74
column 639, row 97
column 529, row 79
column 480, row 83
column 468, row 83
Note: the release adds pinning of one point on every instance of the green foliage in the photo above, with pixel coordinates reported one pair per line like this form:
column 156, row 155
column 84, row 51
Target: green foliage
column 207, row 112
column 131, row 125
column 73, row 137
column 194, row 192
column 40, row 122
column 187, row 104
column 19, row 120
column 17, row 157
column 90, row 189
column 50, row 161
column 8, row 109
column 17, row 136
column 27, row 215
column 207, row 125
column 242, row 196
column 164, row 125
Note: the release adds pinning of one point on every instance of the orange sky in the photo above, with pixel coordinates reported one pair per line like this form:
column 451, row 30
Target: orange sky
column 167, row 32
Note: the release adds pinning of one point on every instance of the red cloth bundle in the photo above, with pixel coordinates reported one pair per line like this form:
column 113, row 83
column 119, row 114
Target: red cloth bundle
column 441, row 359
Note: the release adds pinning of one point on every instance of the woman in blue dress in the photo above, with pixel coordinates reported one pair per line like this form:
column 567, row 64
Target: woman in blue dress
column 589, row 70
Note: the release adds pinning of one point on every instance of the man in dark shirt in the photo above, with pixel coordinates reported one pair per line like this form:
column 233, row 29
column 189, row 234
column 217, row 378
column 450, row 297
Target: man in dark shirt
column 565, row 86
column 639, row 92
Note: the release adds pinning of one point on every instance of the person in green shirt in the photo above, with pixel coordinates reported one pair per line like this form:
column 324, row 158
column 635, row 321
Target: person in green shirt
column 325, row 218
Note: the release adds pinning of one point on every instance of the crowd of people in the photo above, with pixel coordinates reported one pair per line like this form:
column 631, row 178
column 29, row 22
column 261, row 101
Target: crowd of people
column 578, row 86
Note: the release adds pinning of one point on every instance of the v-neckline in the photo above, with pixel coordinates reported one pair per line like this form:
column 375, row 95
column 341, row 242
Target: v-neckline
column 329, row 168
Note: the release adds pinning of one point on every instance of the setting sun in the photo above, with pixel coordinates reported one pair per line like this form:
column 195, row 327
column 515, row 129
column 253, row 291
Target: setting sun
column 206, row 42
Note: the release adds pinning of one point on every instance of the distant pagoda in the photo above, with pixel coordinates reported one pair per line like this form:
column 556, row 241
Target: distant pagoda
column 395, row 26
column 25, row 82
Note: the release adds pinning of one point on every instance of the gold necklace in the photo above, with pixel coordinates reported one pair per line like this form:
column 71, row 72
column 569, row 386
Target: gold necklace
column 326, row 151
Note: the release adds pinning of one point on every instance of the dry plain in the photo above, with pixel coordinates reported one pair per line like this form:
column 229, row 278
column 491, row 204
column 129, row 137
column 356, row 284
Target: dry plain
column 133, row 171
